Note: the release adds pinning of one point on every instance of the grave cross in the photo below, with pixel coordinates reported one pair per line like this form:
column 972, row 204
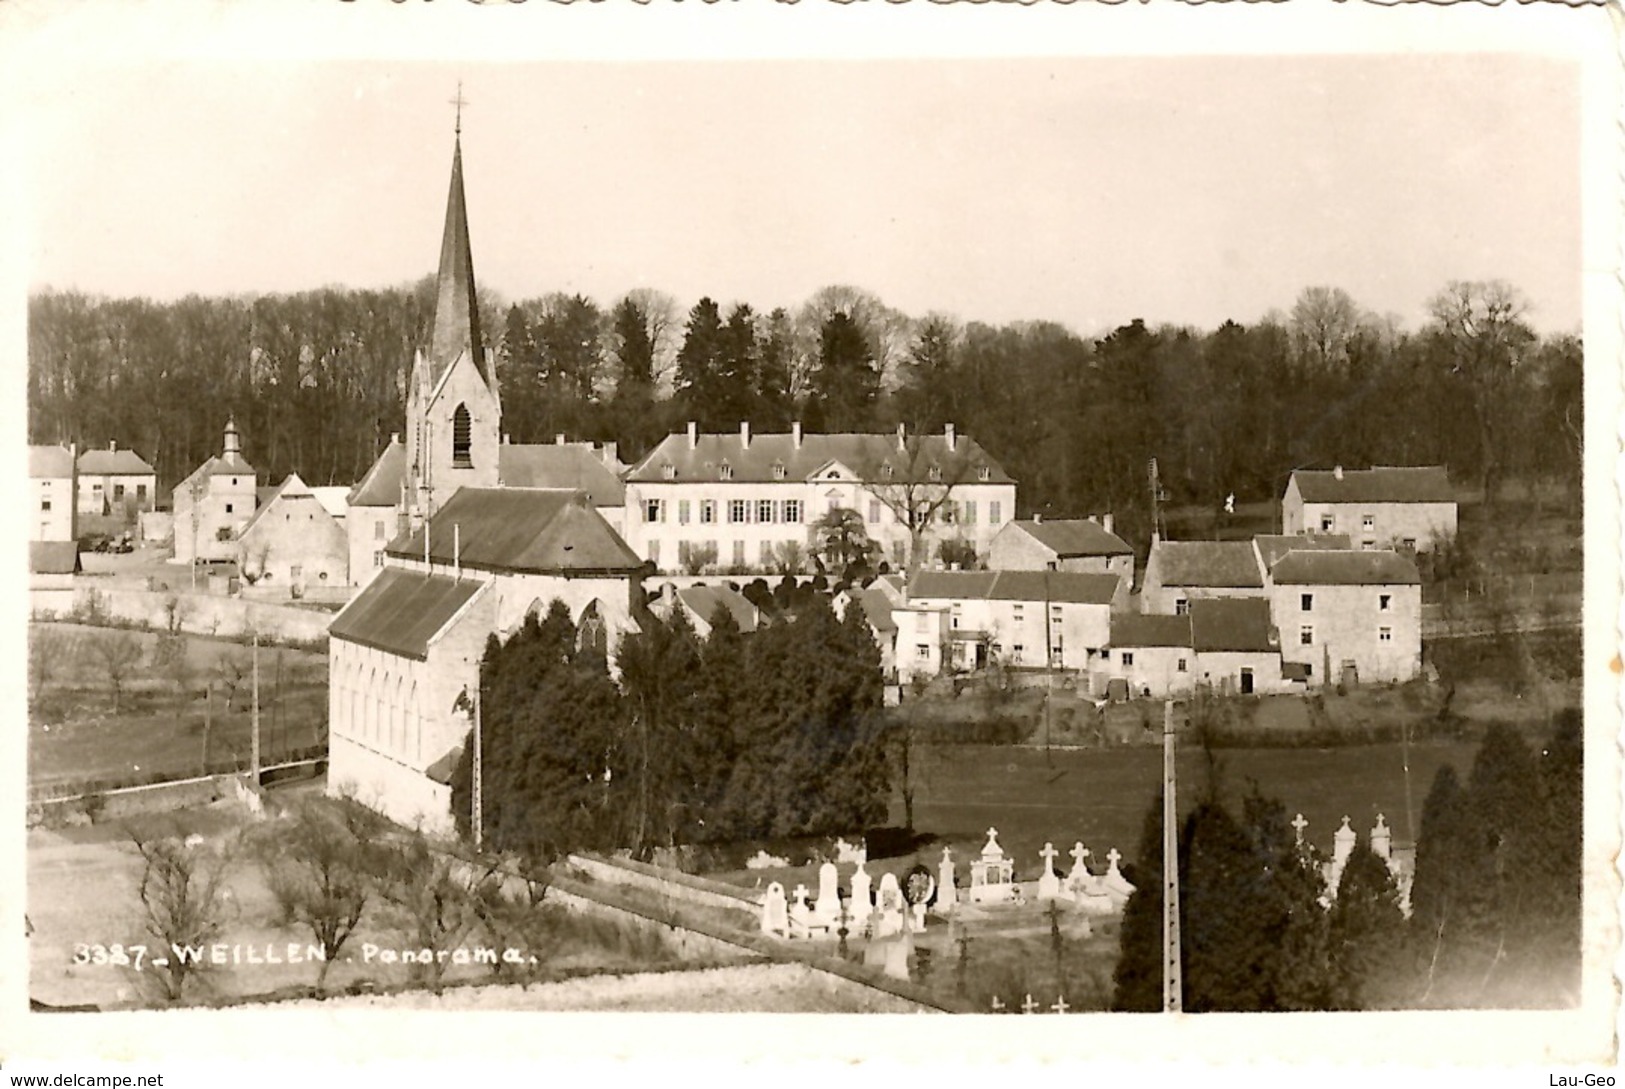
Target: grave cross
column 997, row 1004
column 1028, row 1006
column 1113, row 857
column 1048, row 855
column 800, row 894
column 1060, row 1005
column 1079, row 852
column 1298, row 825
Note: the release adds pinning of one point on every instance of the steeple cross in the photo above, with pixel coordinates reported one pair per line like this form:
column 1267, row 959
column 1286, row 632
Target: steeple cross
column 459, row 102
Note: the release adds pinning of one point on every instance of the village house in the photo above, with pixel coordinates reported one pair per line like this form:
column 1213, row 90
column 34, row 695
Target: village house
column 404, row 651
column 294, row 541
column 746, row 503
column 51, row 471
column 214, row 503
column 876, row 605
column 1407, row 508
column 1076, row 544
column 1348, row 616
column 1150, row 656
column 1238, row 650
column 115, row 482
column 1032, row 619
column 700, row 604
column 1179, row 572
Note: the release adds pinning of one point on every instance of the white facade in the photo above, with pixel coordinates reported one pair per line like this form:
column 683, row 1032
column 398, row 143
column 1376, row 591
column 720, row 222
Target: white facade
column 51, row 493
column 1375, row 629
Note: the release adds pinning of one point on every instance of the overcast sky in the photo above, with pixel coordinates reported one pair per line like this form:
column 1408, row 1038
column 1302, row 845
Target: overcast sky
column 1088, row 190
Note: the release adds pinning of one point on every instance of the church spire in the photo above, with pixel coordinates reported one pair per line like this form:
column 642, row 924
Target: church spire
column 456, row 309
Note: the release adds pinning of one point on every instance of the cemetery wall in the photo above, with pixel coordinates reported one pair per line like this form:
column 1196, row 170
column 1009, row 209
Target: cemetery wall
column 131, row 801
column 197, row 614
column 672, row 884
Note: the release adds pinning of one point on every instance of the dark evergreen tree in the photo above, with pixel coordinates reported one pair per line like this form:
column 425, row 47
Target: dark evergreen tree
column 1137, row 979
column 847, row 379
column 1227, row 956
column 700, row 385
column 1365, row 930
column 775, row 403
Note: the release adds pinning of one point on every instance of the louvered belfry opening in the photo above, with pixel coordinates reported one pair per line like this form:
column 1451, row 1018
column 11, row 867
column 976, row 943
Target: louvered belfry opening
column 462, row 439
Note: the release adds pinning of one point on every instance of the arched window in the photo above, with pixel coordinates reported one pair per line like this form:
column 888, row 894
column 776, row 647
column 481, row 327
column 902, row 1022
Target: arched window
column 462, row 439
column 592, row 634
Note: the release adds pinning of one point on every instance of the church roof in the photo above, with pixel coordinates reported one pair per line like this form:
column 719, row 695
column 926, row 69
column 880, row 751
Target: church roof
column 522, row 530
column 561, row 465
column 1075, row 537
column 381, row 487
column 401, row 611
column 778, row 457
column 456, row 327
column 1380, row 484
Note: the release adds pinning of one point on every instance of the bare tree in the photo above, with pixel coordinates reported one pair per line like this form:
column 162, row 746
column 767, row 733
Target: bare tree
column 434, row 896
column 119, row 653
column 230, row 670
column 661, row 319
column 181, row 892
column 47, row 646
column 789, row 558
column 1324, row 320
column 919, row 490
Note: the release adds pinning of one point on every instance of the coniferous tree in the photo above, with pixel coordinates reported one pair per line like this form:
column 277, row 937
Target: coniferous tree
column 775, row 389
column 1137, row 979
column 847, row 379
column 1227, row 957
column 1365, row 929
column 699, row 365
column 1437, row 884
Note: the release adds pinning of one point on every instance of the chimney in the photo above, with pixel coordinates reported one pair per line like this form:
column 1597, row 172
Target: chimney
column 394, row 438
column 112, row 446
column 948, row 433
column 1106, row 522
column 744, row 434
column 558, row 440
column 1156, row 538
column 507, row 439
column 1037, row 518
column 611, row 454
column 795, row 434
column 901, row 445
column 693, row 434
column 1338, row 472
column 233, row 447
column 1095, row 518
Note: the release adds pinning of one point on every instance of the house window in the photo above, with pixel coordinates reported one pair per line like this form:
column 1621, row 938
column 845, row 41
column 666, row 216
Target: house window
column 1018, row 612
column 874, row 510
column 792, row 510
column 462, row 439
column 738, row 510
column 233, row 482
column 223, row 533
column 651, row 510
column 682, row 512
column 378, row 530
column 708, row 511
column 993, row 516
column 983, row 473
column 1409, row 544
column 922, row 651
column 1327, row 523
column 778, row 470
column 922, row 623
column 953, row 621
column 1307, row 602
column 969, row 513
column 294, row 571
column 1128, row 657
column 1385, row 635
column 1368, row 522
column 739, row 553
column 44, row 504
column 1384, row 602
column 765, row 553
column 669, row 472
column 935, row 472
column 1306, row 636
column 654, row 550
column 378, row 559
column 96, row 490
column 949, row 510
column 1182, row 606
column 118, row 492
column 141, row 491
column 1016, row 651
column 764, row 510
column 886, row 471
column 228, row 508
column 727, row 471
column 1367, row 545
column 1180, row 666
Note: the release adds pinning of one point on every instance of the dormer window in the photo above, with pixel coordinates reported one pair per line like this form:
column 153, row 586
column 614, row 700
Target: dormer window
column 726, row 471
column 984, row 473
column 886, row 471
column 935, row 472
column 778, row 470
column 669, row 471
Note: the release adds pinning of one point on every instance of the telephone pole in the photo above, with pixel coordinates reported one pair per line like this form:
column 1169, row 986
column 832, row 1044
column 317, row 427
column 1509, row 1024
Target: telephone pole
column 477, row 818
column 1172, row 981
column 254, row 718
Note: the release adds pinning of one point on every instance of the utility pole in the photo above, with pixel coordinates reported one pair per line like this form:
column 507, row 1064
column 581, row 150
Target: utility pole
column 254, row 718
column 477, row 818
column 1172, row 981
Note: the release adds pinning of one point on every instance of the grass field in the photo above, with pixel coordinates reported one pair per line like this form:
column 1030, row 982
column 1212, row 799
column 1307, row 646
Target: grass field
column 76, row 736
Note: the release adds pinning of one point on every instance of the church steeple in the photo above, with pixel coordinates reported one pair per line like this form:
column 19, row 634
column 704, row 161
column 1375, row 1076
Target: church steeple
column 456, row 310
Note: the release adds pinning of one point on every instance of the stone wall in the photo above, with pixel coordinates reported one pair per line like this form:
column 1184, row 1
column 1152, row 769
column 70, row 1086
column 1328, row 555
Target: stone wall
column 197, row 614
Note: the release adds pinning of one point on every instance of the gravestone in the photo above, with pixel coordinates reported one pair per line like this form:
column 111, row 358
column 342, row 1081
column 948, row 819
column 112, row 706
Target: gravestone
column 862, row 904
column 800, row 914
column 1049, row 886
column 1382, row 839
column 1342, row 846
column 1114, row 883
column 889, row 906
column 992, row 875
column 775, row 912
column 827, row 908
column 946, row 894
column 918, row 890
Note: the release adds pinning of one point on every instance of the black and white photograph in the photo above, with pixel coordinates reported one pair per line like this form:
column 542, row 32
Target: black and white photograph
column 1066, row 510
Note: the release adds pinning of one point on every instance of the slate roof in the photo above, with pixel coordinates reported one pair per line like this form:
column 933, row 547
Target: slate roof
column 1055, row 586
column 53, row 557
column 1148, row 630
column 381, row 487
column 1232, row 624
column 865, row 455
column 702, row 601
column 456, row 325
column 877, row 608
column 538, row 530
column 1207, row 563
column 1272, row 546
column 1380, row 484
column 1076, row 537
column 218, row 465
column 1352, row 568
column 114, row 463
column 49, row 462
column 400, row 611
column 568, row 465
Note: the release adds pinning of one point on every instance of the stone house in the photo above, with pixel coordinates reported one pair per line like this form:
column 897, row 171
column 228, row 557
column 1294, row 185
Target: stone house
column 1032, row 619
column 1406, row 508
column 1180, row 572
column 749, row 500
column 1238, row 650
column 1349, row 615
column 1150, row 655
column 112, row 481
column 700, row 605
column 214, row 503
column 1077, row 544
column 293, row 541
column 52, row 511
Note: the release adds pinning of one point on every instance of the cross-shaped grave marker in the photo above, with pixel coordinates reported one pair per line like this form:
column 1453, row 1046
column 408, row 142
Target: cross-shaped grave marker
column 1113, row 857
column 1298, row 825
column 1060, row 1005
column 998, row 1005
column 1048, row 855
column 1079, row 852
column 1029, row 1006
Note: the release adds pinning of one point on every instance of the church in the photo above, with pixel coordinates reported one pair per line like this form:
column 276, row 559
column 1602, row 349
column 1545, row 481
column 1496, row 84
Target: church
column 459, row 550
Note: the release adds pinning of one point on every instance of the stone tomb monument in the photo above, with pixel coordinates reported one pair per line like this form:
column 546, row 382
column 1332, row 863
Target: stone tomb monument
column 889, row 907
column 775, row 911
column 1049, row 885
column 827, row 908
column 862, row 904
column 992, row 876
column 946, row 893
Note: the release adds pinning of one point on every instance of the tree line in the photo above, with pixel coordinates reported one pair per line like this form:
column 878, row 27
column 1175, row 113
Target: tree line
column 1495, row 899
column 317, row 382
column 709, row 740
